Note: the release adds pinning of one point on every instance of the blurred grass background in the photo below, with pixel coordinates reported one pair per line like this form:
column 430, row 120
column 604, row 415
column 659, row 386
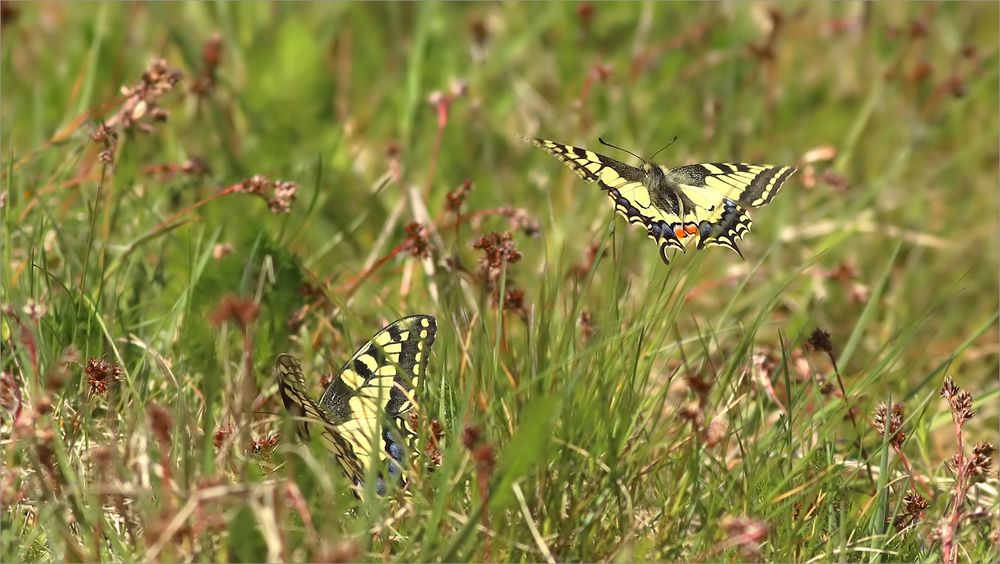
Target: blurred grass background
column 614, row 408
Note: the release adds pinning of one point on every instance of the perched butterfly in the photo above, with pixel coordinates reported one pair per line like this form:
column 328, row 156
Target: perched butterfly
column 707, row 202
column 364, row 414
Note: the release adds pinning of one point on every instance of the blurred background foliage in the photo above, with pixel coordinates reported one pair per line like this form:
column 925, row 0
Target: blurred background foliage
column 886, row 239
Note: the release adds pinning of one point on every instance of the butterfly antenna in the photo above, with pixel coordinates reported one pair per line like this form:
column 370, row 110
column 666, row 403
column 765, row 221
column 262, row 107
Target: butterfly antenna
column 606, row 144
column 664, row 147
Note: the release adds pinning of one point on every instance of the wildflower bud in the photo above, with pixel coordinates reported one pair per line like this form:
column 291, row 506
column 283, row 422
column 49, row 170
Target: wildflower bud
column 459, row 87
column 220, row 250
column 34, row 310
column 284, row 195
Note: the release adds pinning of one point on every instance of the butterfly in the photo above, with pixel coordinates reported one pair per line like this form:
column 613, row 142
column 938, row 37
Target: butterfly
column 364, row 415
column 706, row 202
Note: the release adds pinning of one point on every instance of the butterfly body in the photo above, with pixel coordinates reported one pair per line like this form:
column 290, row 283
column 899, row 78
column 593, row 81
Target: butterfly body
column 706, row 202
column 365, row 414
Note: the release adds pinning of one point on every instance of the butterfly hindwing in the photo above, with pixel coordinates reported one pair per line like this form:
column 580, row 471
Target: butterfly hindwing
column 705, row 202
column 750, row 185
column 365, row 411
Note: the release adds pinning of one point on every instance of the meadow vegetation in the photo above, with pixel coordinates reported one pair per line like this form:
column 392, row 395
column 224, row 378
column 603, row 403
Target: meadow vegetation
column 189, row 189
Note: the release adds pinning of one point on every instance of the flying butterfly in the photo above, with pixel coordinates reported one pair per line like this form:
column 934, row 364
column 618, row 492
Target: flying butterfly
column 706, row 202
column 364, row 415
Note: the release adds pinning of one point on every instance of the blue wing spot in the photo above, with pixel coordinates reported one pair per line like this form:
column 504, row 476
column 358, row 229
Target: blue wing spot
column 395, row 451
column 704, row 229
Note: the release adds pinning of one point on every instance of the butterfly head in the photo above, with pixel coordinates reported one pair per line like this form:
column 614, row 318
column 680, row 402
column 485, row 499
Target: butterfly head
column 650, row 170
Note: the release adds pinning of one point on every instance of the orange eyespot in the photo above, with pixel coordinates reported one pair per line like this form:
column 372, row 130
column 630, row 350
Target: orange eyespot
column 679, row 232
column 691, row 229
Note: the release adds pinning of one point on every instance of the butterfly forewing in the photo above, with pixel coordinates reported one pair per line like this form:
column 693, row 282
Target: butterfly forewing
column 704, row 202
column 307, row 413
column 589, row 165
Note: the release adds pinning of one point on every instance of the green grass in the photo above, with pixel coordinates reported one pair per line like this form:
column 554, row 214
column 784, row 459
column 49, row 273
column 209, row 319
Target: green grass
column 686, row 414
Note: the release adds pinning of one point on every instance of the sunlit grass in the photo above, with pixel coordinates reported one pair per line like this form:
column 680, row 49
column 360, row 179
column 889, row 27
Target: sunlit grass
column 594, row 404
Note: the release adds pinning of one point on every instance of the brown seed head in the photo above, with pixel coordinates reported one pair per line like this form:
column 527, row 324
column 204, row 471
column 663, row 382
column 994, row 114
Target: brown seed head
column 586, row 324
column 195, row 166
column 161, row 422
column 978, row 465
column 456, row 197
column 914, row 503
column 101, row 374
column 716, row 431
column 256, row 184
column 484, row 457
column 894, row 419
column 222, row 434
column 820, row 341
column 346, row 550
column 8, row 13
column 471, row 436
column 283, row 197
column 418, row 240
column 10, row 392
column 961, row 405
column 514, row 302
column 520, row 219
column 691, row 411
column 949, row 389
column 498, row 249
column 837, row 182
column 698, row 384
column 242, row 311
column 141, row 98
column 433, row 449
column 480, row 32
column 262, row 446
column 585, row 11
